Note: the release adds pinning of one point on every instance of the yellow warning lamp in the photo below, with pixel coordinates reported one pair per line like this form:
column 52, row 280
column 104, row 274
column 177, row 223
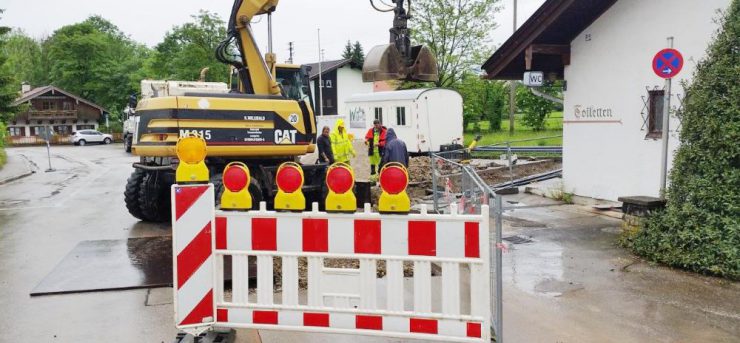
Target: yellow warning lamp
column 340, row 179
column 394, row 179
column 236, row 180
column 191, row 151
column 289, row 179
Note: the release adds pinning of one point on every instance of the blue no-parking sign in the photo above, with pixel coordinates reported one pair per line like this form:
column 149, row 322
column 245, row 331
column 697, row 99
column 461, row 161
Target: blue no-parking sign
column 667, row 63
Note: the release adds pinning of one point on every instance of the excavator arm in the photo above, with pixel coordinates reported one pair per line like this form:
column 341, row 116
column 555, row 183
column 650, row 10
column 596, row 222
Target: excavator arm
column 256, row 73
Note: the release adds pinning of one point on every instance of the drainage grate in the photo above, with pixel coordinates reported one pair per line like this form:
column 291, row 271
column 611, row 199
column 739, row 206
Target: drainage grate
column 518, row 239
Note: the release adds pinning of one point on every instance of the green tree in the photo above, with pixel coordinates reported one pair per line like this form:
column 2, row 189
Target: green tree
column 7, row 92
column 25, row 59
column 699, row 229
column 358, row 55
column 482, row 100
column 347, row 54
column 355, row 53
column 94, row 60
column 456, row 31
column 189, row 48
column 536, row 109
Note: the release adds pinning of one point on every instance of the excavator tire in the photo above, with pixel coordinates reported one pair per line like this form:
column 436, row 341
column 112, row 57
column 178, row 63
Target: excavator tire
column 131, row 194
column 154, row 198
column 127, row 142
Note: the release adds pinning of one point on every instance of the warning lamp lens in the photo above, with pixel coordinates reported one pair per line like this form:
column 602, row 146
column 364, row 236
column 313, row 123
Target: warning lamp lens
column 235, row 178
column 191, row 150
column 289, row 179
column 393, row 180
column 339, row 180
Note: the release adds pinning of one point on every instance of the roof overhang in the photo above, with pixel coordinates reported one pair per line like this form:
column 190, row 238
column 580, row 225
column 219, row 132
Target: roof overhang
column 542, row 43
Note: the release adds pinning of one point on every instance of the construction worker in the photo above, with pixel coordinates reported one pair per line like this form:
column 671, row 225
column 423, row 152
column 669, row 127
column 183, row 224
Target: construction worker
column 395, row 150
column 341, row 143
column 324, row 144
column 375, row 141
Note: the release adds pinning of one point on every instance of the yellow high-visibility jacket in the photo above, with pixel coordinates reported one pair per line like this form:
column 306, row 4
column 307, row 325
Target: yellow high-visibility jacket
column 341, row 144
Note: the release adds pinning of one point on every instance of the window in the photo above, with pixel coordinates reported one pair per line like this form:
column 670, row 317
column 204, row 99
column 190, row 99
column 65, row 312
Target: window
column 48, row 105
column 36, row 130
column 379, row 114
column 67, row 106
column 63, row 129
column 655, row 113
column 16, row 131
column 401, row 116
column 85, row 127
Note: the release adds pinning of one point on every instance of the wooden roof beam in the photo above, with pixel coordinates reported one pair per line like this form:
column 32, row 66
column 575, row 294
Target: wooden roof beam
column 546, row 49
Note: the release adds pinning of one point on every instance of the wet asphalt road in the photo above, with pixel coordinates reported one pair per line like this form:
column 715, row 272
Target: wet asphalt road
column 44, row 216
column 571, row 283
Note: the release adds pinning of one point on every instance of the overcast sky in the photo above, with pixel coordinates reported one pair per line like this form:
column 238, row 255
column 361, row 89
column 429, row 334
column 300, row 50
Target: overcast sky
column 146, row 21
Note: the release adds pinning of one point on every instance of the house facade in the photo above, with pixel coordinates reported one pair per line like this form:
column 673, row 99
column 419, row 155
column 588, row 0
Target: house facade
column 341, row 79
column 53, row 107
column 613, row 101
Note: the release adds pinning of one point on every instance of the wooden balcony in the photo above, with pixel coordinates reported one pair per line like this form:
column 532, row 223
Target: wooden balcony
column 52, row 114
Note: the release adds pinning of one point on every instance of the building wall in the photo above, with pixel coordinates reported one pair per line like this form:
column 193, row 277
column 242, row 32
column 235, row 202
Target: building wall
column 350, row 83
column 609, row 156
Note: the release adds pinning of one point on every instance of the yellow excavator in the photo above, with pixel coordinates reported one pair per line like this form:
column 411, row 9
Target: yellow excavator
column 265, row 119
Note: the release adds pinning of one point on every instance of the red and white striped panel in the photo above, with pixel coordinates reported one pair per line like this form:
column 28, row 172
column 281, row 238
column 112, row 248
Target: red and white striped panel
column 192, row 245
column 443, row 329
column 399, row 236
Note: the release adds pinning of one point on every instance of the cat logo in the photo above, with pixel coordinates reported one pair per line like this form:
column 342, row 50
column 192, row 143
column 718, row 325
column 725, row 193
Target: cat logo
column 285, row 136
column 293, row 119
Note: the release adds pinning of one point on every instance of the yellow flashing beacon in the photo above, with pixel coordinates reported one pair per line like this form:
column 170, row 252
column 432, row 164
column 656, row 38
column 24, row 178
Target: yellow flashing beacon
column 236, row 179
column 289, row 179
column 191, row 151
column 340, row 179
column 394, row 179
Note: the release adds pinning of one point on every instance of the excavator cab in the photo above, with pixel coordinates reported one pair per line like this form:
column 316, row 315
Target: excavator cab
column 399, row 60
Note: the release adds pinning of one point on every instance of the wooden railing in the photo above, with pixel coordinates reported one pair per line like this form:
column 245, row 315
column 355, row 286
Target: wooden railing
column 51, row 114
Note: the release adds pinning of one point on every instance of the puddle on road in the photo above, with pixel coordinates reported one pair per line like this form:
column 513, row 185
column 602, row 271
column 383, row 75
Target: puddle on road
column 537, row 268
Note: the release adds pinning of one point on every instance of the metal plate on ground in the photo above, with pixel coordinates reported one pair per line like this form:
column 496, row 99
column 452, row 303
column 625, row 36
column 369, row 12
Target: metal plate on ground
column 94, row 266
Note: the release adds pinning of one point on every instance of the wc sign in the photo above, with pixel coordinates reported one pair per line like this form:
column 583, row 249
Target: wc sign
column 534, row 78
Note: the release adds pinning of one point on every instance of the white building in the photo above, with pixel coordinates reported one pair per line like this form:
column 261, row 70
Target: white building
column 604, row 49
column 341, row 79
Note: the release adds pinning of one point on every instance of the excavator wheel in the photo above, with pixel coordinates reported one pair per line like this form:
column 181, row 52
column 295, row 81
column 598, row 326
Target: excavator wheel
column 154, row 198
column 131, row 194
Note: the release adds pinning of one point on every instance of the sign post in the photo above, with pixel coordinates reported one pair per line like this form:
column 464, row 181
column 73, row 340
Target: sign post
column 46, row 134
column 667, row 63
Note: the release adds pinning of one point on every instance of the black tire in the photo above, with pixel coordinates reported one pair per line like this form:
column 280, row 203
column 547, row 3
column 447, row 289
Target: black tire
column 131, row 194
column 127, row 143
column 154, row 198
column 107, row 141
column 81, row 142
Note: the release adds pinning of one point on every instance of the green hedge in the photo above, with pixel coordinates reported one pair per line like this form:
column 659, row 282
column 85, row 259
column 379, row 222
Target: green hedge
column 699, row 229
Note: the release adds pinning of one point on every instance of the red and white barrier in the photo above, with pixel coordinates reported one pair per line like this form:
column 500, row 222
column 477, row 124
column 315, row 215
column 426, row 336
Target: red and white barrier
column 192, row 246
column 452, row 307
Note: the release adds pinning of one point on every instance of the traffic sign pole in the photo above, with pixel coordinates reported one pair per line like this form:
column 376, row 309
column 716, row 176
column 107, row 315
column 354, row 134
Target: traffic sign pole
column 666, row 127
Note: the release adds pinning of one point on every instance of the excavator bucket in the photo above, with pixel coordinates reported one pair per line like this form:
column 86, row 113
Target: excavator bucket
column 385, row 62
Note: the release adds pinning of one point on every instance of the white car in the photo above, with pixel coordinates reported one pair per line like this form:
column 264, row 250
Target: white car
column 84, row 137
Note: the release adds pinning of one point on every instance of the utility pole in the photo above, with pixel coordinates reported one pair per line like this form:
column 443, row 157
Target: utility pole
column 512, row 90
column 290, row 48
column 666, row 129
column 321, row 79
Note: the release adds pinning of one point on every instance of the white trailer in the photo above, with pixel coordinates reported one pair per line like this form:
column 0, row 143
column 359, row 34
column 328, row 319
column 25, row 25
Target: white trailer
column 425, row 119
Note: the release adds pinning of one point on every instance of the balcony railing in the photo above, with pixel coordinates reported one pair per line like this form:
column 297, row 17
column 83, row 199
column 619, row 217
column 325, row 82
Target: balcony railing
column 52, row 114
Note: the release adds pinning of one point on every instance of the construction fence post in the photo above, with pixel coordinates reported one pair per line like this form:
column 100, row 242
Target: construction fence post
column 498, row 319
column 435, row 195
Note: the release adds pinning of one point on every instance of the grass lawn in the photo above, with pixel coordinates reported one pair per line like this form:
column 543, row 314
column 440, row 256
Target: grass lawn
column 554, row 127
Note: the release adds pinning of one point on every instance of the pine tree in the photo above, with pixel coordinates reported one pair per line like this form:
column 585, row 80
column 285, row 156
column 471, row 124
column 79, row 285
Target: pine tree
column 347, row 54
column 358, row 55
